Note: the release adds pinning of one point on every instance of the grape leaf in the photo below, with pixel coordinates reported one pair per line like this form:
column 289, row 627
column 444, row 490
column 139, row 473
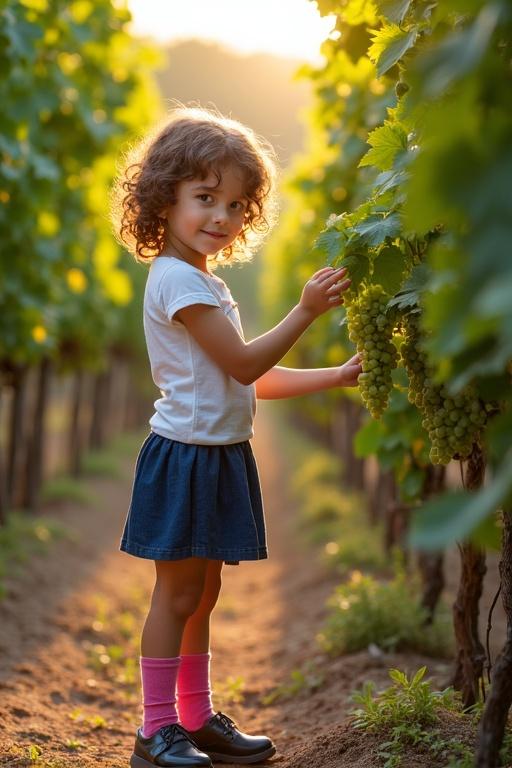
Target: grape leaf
column 389, row 268
column 329, row 241
column 415, row 284
column 454, row 516
column 358, row 266
column 385, row 142
column 388, row 180
column 394, row 10
column 375, row 229
column 389, row 45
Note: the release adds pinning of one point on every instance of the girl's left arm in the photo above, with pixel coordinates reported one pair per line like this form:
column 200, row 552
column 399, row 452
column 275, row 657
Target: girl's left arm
column 281, row 382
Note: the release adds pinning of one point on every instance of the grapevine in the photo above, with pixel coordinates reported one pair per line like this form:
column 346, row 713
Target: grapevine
column 452, row 422
column 371, row 328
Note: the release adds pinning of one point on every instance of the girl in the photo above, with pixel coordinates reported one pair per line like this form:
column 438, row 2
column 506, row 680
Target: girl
column 197, row 193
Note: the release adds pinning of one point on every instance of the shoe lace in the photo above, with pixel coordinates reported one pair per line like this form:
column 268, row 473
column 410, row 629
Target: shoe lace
column 227, row 722
column 174, row 732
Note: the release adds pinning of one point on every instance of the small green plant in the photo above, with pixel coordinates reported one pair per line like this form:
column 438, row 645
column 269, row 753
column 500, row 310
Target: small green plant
column 34, row 753
column 407, row 714
column 104, row 463
column 74, row 744
column 365, row 610
column 319, row 467
column 22, row 536
column 64, row 488
column 96, row 722
column 306, row 679
column 230, row 691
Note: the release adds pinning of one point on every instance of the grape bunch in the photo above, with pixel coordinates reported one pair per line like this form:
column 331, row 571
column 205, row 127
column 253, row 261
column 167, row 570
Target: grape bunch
column 371, row 329
column 453, row 422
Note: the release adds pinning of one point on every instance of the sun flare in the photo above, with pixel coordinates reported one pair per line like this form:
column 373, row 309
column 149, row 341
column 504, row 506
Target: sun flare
column 290, row 28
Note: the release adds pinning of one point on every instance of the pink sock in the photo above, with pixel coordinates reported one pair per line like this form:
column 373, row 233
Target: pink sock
column 194, row 695
column 158, row 693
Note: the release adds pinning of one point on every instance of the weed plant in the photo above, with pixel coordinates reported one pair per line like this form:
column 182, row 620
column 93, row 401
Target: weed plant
column 365, row 610
column 334, row 517
column 63, row 488
column 410, row 714
column 23, row 536
column 103, row 463
column 309, row 678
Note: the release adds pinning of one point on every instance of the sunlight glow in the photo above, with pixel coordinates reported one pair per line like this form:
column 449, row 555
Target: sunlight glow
column 290, row 28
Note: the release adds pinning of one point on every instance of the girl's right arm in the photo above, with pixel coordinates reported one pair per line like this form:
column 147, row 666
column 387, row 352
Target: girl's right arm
column 247, row 361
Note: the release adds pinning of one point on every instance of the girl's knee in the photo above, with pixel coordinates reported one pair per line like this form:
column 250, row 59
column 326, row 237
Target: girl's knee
column 179, row 592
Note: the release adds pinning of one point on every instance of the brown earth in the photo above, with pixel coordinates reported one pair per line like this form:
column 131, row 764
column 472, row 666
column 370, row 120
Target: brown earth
column 70, row 623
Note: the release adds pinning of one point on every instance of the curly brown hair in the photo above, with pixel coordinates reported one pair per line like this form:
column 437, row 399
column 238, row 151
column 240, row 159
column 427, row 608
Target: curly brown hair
column 193, row 142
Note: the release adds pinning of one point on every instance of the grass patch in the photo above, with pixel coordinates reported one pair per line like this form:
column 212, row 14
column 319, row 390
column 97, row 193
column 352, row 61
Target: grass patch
column 366, row 610
column 104, row 463
column 67, row 489
column 410, row 714
column 333, row 517
column 23, row 536
column 113, row 653
column 308, row 678
column 229, row 691
column 410, row 717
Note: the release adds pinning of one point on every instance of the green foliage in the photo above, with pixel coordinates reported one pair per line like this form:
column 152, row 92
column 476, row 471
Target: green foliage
column 229, row 691
column 408, row 164
column 306, row 679
column 366, row 610
column 103, row 463
column 409, row 713
column 63, row 488
column 329, row 515
column 74, row 86
column 23, row 536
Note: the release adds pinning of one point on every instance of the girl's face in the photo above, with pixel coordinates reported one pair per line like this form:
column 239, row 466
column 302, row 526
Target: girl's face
column 208, row 214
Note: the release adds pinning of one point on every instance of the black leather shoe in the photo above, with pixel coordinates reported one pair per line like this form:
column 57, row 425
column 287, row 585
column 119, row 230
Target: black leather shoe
column 224, row 743
column 171, row 746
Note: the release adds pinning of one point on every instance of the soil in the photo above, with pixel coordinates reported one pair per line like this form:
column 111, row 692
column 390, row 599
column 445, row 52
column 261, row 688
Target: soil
column 70, row 623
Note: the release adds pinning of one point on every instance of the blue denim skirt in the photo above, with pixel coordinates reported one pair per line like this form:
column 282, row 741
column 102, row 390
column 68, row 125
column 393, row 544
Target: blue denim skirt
column 195, row 501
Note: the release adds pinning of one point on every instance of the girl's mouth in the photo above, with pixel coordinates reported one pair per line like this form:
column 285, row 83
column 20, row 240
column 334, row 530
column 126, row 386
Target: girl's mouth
column 217, row 235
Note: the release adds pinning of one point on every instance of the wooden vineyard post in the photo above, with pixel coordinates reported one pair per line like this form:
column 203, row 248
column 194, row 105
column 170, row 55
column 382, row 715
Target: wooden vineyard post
column 494, row 718
column 470, row 651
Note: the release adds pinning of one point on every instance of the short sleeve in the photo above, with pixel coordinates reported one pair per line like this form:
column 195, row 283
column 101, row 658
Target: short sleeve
column 182, row 286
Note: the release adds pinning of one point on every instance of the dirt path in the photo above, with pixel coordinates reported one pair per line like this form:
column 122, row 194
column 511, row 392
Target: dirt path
column 69, row 632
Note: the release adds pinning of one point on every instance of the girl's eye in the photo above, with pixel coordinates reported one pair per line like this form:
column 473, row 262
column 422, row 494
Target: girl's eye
column 239, row 206
column 204, row 198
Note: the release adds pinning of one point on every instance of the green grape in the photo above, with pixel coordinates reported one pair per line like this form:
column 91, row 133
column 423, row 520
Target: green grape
column 453, row 422
column 371, row 329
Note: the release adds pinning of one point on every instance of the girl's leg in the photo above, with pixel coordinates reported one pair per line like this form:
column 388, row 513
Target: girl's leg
column 196, row 635
column 176, row 596
column 194, row 692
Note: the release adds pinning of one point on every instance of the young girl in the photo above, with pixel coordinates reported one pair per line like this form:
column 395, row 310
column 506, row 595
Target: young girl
column 198, row 193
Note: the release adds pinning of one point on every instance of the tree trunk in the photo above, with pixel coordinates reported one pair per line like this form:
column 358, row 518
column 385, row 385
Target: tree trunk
column 396, row 525
column 35, row 449
column 16, row 442
column 431, row 564
column 470, row 651
column 383, row 495
column 99, row 412
column 75, row 433
column 345, row 423
column 494, row 718
column 3, row 476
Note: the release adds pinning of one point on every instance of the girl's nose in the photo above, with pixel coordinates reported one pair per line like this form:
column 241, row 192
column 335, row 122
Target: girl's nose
column 219, row 215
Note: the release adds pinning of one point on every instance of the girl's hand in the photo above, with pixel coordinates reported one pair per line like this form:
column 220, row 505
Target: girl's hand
column 349, row 372
column 323, row 291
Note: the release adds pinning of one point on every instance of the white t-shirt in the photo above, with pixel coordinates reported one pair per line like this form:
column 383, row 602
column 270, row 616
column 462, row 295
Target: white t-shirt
column 200, row 403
